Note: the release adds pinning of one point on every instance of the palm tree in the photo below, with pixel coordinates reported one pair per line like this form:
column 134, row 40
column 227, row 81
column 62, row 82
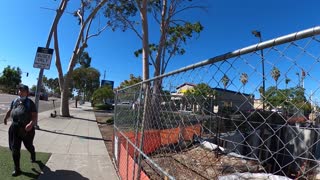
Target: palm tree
column 225, row 80
column 244, row 79
column 287, row 82
column 261, row 91
column 275, row 73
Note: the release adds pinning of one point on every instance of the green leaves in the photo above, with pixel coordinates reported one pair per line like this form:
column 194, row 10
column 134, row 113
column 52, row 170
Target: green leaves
column 133, row 80
column 119, row 13
column 225, row 81
column 52, row 83
column 293, row 98
column 10, row 78
column 182, row 32
column 84, row 60
column 102, row 93
column 86, row 80
column 275, row 73
column 123, row 14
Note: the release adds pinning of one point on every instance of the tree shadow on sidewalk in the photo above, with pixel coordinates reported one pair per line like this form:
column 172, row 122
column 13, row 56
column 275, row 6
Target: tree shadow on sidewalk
column 91, row 120
column 72, row 117
column 74, row 135
column 58, row 174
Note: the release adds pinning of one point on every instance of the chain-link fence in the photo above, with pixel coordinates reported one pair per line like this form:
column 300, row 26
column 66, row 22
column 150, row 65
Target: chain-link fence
column 251, row 113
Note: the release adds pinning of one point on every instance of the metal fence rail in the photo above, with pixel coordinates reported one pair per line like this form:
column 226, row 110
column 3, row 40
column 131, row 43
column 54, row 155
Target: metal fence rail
column 215, row 120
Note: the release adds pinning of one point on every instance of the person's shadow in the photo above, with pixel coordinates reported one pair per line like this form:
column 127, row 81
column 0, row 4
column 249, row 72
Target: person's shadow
column 58, row 174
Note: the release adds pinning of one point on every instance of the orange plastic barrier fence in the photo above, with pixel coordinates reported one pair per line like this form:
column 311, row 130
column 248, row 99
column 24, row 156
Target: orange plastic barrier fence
column 126, row 166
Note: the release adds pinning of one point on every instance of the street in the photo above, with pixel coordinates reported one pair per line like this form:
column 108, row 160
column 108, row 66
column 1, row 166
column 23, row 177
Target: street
column 5, row 101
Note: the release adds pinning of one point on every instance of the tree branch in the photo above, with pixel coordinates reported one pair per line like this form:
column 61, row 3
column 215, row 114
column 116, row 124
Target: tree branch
column 188, row 7
column 58, row 60
column 77, row 49
column 98, row 33
column 131, row 26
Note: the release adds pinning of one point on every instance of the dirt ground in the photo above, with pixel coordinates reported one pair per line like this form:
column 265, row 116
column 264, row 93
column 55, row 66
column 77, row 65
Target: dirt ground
column 106, row 129
column 193, row 163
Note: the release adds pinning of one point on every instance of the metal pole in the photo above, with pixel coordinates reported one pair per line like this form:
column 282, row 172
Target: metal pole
column 299, row 82
column 263, row 78
column 39, row 84
column 258, row 34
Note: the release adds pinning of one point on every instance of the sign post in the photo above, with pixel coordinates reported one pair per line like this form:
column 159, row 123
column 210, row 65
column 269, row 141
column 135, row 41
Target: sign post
column 43, row 58
column 42, row 61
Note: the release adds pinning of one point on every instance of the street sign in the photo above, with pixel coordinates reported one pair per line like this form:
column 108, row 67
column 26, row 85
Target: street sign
column 107, row 83
column 43, row 58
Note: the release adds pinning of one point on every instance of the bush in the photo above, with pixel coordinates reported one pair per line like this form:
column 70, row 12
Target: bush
column 103, row 106
column 110, row 121
column 102, row 93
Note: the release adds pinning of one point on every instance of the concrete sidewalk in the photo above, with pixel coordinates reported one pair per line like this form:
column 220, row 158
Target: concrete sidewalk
column 77, row 147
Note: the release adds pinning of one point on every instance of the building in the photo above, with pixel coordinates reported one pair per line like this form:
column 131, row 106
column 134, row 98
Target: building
column 224, row 98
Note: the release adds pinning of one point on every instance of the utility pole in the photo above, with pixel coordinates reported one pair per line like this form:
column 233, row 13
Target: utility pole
column 39, row 84
column 258, row 34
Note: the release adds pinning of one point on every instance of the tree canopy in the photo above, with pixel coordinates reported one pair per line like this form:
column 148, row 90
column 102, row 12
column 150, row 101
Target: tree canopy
column 291, row 99
column 86, row 81
column 10, row 78
column 174, row 30
column 101, row 94
column 131, row 81
column 84, row 60
column 52, row 84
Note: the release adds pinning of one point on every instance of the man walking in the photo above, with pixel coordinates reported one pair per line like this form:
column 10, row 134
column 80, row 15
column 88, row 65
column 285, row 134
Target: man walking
column 24, row 115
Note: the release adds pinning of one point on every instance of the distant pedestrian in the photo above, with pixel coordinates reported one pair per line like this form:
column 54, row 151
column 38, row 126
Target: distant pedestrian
column 24, row 115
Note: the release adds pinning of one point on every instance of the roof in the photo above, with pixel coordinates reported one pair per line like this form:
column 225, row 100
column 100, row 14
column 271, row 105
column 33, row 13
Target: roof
column 217, row 89
column 184, row 84
column 230, row 91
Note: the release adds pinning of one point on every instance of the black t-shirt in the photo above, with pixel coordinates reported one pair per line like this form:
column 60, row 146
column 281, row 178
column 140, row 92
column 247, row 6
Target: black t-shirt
column 21, row 109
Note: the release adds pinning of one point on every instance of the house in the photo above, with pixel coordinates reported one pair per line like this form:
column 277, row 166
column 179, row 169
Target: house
column 235, row 100
column 224, row 98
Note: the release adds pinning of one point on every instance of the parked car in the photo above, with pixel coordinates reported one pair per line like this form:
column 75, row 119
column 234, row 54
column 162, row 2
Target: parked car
column 32, row 93
column 109, row 106
column 43, row 96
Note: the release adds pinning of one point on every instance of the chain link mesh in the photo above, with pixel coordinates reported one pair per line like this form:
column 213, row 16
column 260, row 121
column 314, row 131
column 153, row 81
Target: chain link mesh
column 216, row 120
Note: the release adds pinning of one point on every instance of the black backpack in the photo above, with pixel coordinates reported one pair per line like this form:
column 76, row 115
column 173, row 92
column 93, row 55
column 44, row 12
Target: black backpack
column 20, row 112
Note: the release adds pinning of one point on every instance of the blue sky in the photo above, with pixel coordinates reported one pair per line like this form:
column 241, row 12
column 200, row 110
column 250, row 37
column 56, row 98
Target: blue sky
column 227, row 26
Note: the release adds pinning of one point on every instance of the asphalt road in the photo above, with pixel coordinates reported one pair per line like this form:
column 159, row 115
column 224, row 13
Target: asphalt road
column 5, row 101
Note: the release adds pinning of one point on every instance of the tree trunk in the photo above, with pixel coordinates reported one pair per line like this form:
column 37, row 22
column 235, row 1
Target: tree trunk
column 64, row 108
column 145, row 40
column 80, row 45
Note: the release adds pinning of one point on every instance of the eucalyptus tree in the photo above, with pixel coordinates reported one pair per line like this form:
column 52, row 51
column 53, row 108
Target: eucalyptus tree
column 85, row 14
column 173, row 34
column 174, row 30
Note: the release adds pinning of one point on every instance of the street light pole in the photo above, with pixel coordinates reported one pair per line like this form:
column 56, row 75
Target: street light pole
column 258, row 34
column 299, row 82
